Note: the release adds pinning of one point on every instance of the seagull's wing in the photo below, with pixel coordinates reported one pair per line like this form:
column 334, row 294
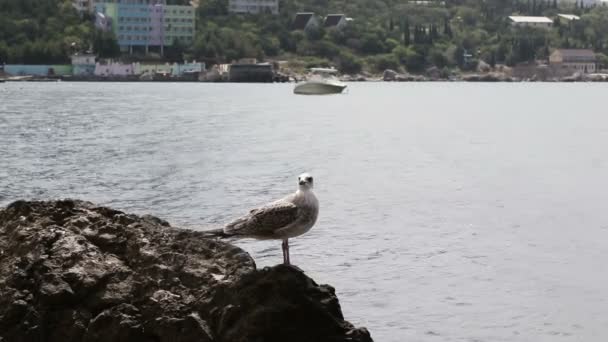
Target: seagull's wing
column 264, row 221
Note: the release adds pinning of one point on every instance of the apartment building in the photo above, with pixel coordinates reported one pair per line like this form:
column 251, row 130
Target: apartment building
column 147, row 23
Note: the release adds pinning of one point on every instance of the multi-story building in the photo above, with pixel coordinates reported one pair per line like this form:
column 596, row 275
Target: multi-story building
column 179, row 23
column 147, row 23
column 253, row 6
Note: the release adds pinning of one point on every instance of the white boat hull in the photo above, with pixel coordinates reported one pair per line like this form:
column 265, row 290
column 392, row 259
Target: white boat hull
column 319, row 88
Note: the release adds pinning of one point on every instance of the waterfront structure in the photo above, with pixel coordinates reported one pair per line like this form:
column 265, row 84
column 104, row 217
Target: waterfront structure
column 573, row 60
column 175, row 69
column 305, row 21
column 114, row 69
column 253, row 6
column 188, row 68
column 83, row 64
column 147, row 24
column 37, row 70
column 258, row 72
column 535, row 22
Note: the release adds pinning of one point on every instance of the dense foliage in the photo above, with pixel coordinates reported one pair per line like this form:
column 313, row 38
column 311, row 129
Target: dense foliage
column 36, row 32
column 384, row 33
column 400, row 34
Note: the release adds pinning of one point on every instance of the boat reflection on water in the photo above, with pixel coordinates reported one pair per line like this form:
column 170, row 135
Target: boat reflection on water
column 322, row 81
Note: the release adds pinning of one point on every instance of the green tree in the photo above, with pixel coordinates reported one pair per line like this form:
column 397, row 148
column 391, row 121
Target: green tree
column 348, row 63
column 105, row 44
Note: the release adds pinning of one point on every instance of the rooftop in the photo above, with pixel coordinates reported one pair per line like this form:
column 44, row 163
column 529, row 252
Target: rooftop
column 576, row 53
column 569, row 16
column 524, row 19
column 333, row 19
column 301, row 20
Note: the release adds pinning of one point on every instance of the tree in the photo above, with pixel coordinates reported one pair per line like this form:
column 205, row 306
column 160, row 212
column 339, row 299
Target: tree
column 447, row 30
column 105, row 44
column 492, row 60
column 348, row 63
column 175, row 52
column 406, row 32
column 209, row 8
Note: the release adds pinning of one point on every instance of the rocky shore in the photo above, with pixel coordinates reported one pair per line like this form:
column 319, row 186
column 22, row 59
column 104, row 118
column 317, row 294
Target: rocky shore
column 74, row 271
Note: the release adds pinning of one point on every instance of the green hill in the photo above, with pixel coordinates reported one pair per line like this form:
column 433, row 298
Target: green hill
column 41, row 31
column 413, row 35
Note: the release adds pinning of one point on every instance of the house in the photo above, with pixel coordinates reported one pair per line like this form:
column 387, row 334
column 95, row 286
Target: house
column 335, row 20
column 253, row 6
column 535, row 22
column 83, row 64
column 573, row 60
column 305, row 21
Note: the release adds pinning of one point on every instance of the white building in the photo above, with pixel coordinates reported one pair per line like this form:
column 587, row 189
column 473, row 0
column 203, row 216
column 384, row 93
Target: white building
column 253, row 6
column 83, row 64
column 568, row 17
column 537, row 22
column 83, row 6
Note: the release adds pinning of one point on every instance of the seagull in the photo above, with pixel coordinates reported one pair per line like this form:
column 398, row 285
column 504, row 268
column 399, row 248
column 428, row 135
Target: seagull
column 291, row 216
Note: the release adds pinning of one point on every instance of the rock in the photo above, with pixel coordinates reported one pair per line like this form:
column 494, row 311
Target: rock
column 490, row 77
column 483, row 67
column 281, row 304
column 389, row 75
column 73, row 271
column 433, row 73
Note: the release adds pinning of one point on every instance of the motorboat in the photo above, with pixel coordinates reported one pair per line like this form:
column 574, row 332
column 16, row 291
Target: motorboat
column 322, row 81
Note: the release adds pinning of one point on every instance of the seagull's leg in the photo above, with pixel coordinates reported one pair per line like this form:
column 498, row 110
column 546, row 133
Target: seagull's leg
column 285, row 246
column 284, row 252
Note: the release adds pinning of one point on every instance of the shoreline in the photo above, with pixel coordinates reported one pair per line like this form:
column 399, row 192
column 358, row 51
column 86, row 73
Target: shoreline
column 425, row 80
column 387, row 76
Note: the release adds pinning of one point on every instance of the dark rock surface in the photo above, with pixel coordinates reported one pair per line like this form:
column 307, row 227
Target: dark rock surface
column 73, row 271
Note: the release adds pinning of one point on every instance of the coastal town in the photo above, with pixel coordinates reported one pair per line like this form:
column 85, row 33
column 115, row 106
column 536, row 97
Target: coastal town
column 151, row 40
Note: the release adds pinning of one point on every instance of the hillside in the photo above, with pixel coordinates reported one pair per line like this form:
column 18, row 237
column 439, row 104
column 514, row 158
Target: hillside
column 36, row 32
column 395, row 34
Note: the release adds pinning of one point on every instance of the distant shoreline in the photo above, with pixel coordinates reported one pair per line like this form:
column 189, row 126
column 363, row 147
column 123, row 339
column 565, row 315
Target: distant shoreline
column 411, row 79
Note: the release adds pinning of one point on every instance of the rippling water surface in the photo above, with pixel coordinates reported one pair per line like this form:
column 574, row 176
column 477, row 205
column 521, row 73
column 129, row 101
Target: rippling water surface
column 449, row 212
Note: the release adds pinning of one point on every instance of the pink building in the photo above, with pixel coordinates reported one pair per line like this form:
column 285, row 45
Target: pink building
column 114, row 69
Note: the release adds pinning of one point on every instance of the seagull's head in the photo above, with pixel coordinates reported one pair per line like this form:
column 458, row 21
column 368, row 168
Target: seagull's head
column 305, row 181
